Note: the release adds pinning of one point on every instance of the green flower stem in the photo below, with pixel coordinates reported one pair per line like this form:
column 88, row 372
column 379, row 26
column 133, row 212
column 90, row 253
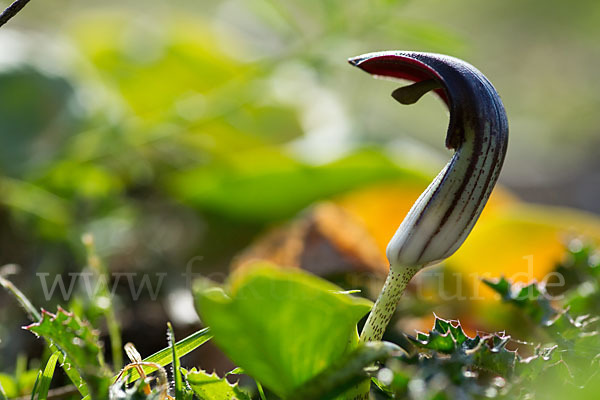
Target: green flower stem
column 385, row 306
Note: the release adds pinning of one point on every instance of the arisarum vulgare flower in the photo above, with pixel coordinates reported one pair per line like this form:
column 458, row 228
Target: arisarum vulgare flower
column 444, row 215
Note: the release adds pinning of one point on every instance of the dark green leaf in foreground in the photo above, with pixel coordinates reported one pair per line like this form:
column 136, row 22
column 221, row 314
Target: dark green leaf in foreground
column 79, row 341
column 573, row 343
column 484, row 352
column 211, row 387
column 282, row 326
column 77, row 338
column 346, row 372
column 34, row 314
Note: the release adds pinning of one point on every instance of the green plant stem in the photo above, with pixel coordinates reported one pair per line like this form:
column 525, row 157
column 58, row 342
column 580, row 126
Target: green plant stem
column 383, row 310
column 386, row 304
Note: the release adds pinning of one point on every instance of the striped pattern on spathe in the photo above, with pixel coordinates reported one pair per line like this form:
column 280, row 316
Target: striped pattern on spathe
column 444, row 215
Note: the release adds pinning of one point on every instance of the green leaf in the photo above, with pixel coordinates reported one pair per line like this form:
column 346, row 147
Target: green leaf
column 80, row 342
column 164, row 357
column 531, row 299
column 9, row 385
column 347, row 372
column 252, row 191
column 47, row 376
column 186, row 51
column 574, row 342
column 211, row 387
column 34, row 314
column 77, row 338
column 2, row 392
column 492, row 355
column 282, row 326
column 485, row 352
column 446, row 337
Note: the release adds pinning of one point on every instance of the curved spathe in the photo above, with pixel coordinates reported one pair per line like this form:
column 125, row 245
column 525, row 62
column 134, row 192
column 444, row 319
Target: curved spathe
column 444, row 215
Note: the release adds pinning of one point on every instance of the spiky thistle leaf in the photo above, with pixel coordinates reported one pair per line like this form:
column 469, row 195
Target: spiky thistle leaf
column 210, row 387
column 79, row 342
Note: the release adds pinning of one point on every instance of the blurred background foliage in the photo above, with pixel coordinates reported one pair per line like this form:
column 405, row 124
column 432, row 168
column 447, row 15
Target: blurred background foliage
column 180, row 133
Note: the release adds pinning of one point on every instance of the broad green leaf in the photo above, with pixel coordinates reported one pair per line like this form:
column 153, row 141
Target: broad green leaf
column 255, row 189
column 282, row 326
column 347, row 372
column 164, row 357
column 211, row 387
column 129, row 58
column 44, row 385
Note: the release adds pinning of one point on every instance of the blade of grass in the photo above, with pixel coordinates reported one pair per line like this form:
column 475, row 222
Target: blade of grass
column 35, row 316
column 183, row 347
column 31, row 311
column 261, row 392
column 47, row 376
column 176, row 364
column 36, row 385
column 2, row 393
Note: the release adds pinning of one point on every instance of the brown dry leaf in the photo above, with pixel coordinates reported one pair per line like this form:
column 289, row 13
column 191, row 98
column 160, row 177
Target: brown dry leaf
column 325, row 240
